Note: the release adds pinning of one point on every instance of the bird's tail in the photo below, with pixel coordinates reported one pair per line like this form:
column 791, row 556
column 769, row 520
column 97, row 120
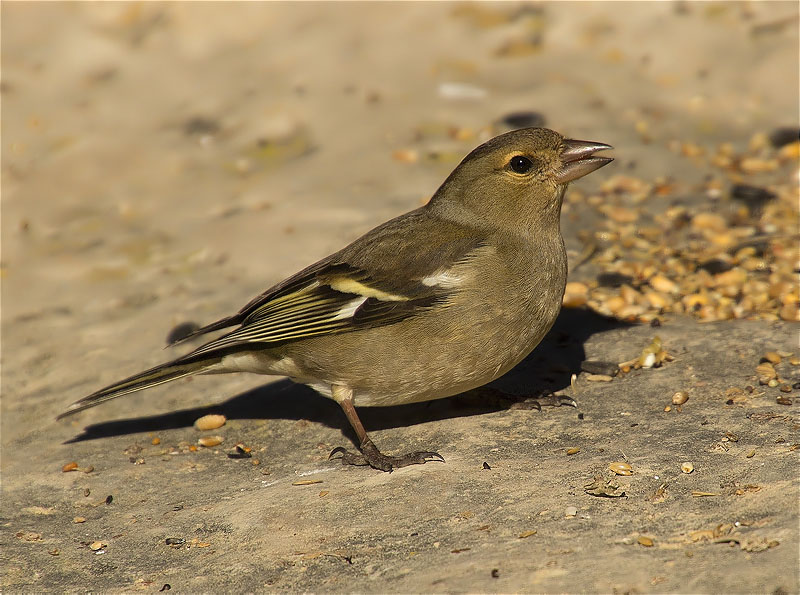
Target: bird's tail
column 185, row 366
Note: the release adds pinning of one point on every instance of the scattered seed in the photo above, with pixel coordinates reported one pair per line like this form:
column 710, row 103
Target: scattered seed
column 79, row 519
column 406, row 155
column 97, row 545
column 783, row 400
column 156, row 441
column 680, row 397
column 646, row 541
column 573, row 451
column 751, row 454
column 620, row 468
column 794, row 360
column 306, row 482
column 773, row 383
column 486, row 465
column 697, row 494
column 663, row 284
column 210, row 422
column 766, row 372
column 210, row 441
column 71, row 466
column 771, row 357
column 86, row 492
column 323, row 493
column 525, row 534
column 599, row 378
column 687, row 467
column 495, row 573
column 668, row 408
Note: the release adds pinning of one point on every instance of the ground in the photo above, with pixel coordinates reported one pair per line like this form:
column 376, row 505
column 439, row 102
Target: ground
column 164, row 163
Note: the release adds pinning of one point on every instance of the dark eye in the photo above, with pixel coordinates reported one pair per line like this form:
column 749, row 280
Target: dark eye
column 520, row 164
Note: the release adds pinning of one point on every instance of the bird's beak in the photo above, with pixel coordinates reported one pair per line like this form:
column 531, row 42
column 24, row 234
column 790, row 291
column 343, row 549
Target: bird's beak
column 577, row 159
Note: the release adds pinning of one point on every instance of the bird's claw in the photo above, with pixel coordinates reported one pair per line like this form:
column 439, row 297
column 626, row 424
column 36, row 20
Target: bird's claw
column 370, row 455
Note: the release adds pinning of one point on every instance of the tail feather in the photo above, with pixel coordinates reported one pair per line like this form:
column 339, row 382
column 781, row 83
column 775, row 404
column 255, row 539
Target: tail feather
column 153, row 377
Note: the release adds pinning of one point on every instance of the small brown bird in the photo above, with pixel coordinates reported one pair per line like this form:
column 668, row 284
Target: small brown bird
column 441, row 300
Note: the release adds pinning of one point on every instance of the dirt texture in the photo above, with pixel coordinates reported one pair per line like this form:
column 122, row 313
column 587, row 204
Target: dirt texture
column 165, row 162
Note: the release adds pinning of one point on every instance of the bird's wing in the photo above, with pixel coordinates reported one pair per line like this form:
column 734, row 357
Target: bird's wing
column 381, row 278
column 335, row 298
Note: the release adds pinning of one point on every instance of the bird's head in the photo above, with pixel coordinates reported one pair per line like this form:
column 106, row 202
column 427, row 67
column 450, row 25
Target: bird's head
column 517, row 180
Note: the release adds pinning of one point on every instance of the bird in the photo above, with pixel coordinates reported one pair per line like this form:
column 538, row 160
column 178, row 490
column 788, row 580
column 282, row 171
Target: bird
column 435, row 302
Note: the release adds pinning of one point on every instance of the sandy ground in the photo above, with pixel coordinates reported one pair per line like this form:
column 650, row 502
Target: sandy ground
column 167, row 162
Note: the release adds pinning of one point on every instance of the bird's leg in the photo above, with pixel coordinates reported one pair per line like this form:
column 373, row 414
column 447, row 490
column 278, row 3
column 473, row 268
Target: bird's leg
column 370, row 455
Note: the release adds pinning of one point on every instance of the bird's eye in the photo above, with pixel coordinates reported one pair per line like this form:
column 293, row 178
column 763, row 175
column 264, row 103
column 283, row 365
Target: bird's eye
column 520, row 164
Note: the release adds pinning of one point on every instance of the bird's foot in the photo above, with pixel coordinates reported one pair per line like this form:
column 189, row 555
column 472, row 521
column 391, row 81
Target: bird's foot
column 370, row 455
column 544, row 400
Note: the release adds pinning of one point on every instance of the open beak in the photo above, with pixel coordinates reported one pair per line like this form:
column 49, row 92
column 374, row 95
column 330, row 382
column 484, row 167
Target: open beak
column 577, row 159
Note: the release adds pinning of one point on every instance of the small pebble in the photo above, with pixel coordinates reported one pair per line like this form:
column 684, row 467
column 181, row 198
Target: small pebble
column 771, row 357
column 570, row 511
column 173, row 541
column 783, row 400
column 772, row 383
column 97, row 545
column 573, row 451
column 79, row 519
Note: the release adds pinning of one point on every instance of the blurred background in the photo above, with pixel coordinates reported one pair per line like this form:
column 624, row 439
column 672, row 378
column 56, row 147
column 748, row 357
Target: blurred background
column 153, row 148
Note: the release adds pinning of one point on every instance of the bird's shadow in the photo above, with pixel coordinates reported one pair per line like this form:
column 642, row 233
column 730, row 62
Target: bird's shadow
column 548, row 368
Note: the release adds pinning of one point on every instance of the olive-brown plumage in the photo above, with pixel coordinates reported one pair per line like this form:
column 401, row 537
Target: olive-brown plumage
column 435, row 302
